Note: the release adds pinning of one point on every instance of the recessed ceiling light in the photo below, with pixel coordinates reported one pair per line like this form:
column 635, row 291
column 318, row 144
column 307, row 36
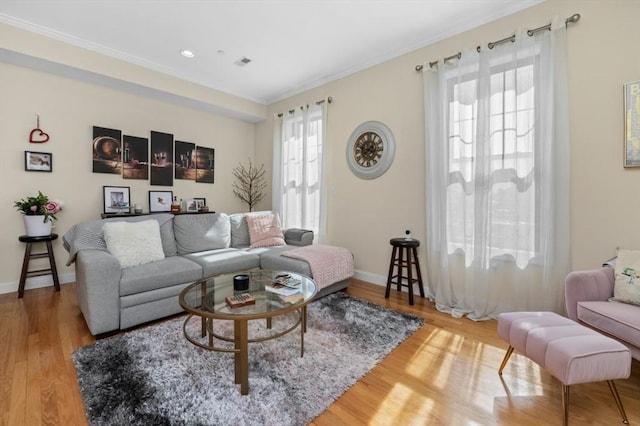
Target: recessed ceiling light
column 187, row 53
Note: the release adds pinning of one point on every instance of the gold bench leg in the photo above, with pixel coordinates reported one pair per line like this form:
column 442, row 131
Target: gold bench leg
column 565, row 404
column 614, row 392
column 505, row 359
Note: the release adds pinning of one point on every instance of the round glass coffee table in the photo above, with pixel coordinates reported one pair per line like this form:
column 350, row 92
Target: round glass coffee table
column 207, row 299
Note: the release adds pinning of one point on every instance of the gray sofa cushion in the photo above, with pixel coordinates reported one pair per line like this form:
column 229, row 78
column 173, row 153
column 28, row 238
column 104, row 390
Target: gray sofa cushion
column 199, row 232
column 223, row 261
column 165, row 273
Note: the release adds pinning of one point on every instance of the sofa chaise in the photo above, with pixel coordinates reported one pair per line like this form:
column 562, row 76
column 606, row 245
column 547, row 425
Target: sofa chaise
column 113, row 295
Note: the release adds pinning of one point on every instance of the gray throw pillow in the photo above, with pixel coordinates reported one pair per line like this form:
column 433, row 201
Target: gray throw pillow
column 200, row 232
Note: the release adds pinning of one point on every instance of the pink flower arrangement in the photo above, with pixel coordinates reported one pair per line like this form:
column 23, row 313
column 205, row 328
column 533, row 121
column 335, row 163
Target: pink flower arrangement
column 39, row 205
column 53, row 207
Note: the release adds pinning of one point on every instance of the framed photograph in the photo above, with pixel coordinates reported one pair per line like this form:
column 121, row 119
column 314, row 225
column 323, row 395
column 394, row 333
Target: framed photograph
column 38, row 161
column 185, row 167
column 161, row 159
column 201, row 202
column 160, row 201
column 116, row 199
column 135, row 158
column 107, row 150
column 632, row 124
column 205, row 160
column 192, row 206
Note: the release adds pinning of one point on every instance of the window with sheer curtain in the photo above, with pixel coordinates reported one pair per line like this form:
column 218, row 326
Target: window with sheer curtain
column 509, row 162
column 497, row 146
column 298, row 194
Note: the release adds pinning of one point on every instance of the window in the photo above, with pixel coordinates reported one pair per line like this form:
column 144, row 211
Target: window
column 492, row 162
column 497, row 177
column 301, row 171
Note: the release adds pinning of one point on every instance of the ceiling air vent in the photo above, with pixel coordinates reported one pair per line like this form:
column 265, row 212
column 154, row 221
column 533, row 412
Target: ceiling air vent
column 242, row 61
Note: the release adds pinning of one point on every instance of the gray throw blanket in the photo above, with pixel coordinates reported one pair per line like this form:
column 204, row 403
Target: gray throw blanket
column 89, row 236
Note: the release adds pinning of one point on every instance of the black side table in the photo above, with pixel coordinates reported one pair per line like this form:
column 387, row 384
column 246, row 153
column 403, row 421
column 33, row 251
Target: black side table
column 404, row 257
column 28, row 256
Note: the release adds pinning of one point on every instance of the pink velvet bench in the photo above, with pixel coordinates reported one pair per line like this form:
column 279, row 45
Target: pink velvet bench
column 569, row 351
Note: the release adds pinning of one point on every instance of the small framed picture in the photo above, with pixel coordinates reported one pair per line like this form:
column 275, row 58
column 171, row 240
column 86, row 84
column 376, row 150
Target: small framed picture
column 201, row 202
column 160, row 201
column 192, row 206
column 116, row 199
column 631, row 127
column 38, row 161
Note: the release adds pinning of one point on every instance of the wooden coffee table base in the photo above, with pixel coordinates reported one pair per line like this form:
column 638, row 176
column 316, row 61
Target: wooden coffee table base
column 241, row 342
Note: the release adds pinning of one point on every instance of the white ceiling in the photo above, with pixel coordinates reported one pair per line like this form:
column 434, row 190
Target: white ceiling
column 293, row 45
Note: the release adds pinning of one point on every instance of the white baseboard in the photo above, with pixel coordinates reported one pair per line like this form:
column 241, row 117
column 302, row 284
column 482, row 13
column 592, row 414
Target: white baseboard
column 36, row 282
column 371, row 278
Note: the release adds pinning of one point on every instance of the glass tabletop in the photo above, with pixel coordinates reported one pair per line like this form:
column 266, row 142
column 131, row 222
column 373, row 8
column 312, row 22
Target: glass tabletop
column 208, row 297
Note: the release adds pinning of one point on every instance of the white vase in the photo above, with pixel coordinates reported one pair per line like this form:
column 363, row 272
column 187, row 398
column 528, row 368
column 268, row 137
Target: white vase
column 36, row 226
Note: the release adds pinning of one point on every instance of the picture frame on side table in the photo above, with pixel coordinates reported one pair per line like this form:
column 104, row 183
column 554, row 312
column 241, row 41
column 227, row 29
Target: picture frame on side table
column 160, row 201
column 632, row 124
column 38, row 161
column 192, row 206
column 116, row 199
column 201, row 202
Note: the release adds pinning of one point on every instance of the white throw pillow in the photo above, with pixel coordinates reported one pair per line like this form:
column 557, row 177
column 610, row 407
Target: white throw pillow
column 627, row 284
column 134, row 243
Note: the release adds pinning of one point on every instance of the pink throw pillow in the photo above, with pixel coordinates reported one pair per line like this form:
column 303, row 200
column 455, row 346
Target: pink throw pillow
column 264, row 231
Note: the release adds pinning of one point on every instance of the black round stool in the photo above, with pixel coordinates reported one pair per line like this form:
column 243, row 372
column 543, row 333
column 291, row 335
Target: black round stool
column 28, row 256
column 404, row 256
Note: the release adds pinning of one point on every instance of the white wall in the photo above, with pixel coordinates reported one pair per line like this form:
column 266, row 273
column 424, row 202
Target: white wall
column 68, row 109
column 364, row 215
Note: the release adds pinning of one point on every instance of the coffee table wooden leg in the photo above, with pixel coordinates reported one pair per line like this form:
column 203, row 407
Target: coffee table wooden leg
column 303, row 328
column 210, row 327
column 203, row 294
column 241, row 337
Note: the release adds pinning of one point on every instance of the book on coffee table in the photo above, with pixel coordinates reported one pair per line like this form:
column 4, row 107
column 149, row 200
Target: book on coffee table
column 288, row 281
column 280, row 289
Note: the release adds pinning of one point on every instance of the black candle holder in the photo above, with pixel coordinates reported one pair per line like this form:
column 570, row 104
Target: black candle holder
column 241, row 282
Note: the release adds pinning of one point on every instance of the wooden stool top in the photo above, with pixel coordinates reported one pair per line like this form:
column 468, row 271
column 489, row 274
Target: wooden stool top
column 43, row 238
column 404, row 242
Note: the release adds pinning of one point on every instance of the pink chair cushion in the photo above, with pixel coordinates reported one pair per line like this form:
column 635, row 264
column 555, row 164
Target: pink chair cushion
column 616, row 318
column 569, row 351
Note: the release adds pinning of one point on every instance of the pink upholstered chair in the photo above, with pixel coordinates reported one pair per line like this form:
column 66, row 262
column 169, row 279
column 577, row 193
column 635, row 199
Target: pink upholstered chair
column 587, row 295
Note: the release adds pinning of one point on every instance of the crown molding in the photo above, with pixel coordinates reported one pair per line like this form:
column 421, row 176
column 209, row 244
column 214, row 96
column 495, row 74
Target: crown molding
column 44, row 65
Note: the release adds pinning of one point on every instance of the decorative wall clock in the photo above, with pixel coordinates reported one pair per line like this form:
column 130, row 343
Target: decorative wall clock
column 370, row 150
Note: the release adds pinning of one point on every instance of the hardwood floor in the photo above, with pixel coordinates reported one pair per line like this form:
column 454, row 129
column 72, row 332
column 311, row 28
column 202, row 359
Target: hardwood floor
column 445, row 374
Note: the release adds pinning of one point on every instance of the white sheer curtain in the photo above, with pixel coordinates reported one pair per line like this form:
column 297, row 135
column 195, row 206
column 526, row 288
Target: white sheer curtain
column 299, row 193
column 497, row 178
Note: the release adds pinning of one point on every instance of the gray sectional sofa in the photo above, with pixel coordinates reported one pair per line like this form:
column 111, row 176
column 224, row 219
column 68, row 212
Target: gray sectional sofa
column 194, row 246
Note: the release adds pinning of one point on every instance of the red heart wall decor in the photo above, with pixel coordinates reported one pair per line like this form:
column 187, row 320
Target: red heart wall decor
column 38, row 136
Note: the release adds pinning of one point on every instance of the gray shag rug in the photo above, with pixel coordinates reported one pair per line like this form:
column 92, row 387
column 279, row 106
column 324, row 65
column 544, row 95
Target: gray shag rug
column 154, row 376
